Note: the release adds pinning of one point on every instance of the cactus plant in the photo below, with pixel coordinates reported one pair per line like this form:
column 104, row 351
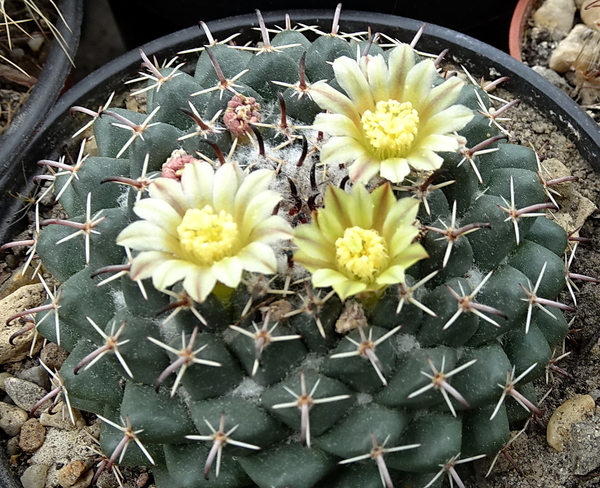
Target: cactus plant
column 326, row 267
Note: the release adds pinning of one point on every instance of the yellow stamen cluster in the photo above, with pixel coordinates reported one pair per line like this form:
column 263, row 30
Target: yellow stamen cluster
column 362, row 253
column 207, row 237
column 391, row 129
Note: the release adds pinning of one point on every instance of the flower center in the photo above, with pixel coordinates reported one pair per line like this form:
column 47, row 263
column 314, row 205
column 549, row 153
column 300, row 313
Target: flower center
column 391, row 128
column 361, row 253
column 207, row 237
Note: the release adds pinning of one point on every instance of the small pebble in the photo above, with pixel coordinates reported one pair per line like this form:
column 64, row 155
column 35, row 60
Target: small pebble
column 573, row 410
column 61, row 419
column 12, row 446
column 24, row 298
column 35, row 476
column 556, row 16
column 32, row 435
column 85, row 480
column 12, row 418
column 37, row 375
column 53, row 356
column 584, row 447
column 24, row 393
column 3, row 376
column 568, row 49
column 69, row 474
column 591, row 15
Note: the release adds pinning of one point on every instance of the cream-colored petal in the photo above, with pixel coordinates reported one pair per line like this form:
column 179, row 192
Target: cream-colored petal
column 348, row 288
column 144, row 236
column 271, row 229
column 145, row 263
column 258, row 258
column 337, row 125
column 401, row 240
column 401, row 61
column 419, row 82
column 452, row 119
column 256, row 182
column 353, row 81
column 172, row 271
column 413, row 253
column 330, row 225
column 159, row 213
column 329, row 98
column 171, row 192
column 310, row 262
column 199, row 285
column 313, row 245
column 228, row 271
column 327, row 277
column 224, row 189
column 197, row 184
column 361, row 207
column 342, row 150
column 336, row 201
column 258, row 209
column 364, row 168
column 394, row 169
column 377, row 75
column 383, row 201
column 442, row 96
column 400, row 216
column 391, row 276
column 438, row 143
column 424, row 160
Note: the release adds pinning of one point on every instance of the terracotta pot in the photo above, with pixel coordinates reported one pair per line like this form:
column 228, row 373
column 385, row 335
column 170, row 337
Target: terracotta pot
column 518, row 25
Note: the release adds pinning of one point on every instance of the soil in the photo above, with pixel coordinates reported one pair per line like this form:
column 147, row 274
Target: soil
column 538, row 465
column 30, row 48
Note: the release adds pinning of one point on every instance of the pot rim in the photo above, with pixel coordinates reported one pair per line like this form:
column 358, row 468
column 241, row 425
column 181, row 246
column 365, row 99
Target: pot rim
column 477, row 57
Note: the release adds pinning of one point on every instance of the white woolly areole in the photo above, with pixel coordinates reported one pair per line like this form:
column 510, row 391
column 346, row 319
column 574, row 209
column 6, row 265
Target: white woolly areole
column 248, row 389
column 405, row 343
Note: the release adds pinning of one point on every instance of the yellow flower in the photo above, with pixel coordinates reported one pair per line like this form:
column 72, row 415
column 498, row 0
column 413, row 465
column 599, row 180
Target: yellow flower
column 209, row 227
column 359, row 241
column 392, row 117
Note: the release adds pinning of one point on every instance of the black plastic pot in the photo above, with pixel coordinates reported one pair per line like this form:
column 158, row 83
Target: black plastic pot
column 33, row 113
column 477, row 57
column 488, row 21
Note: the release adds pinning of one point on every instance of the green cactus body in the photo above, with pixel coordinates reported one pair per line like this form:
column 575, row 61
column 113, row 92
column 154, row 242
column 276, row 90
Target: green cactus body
column 271, row 380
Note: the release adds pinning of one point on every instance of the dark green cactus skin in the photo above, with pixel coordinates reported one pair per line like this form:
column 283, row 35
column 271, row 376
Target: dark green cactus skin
column 338, row 430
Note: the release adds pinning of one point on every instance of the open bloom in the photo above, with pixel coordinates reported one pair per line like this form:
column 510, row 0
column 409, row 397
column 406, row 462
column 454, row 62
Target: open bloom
column 359, row 241
column 392, row 117
column 209, row 227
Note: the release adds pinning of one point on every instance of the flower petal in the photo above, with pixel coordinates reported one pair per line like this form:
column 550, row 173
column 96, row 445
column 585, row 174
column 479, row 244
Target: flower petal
column 353, row 81
column 145, row 236
column 225, row 186
column 329, row 98
column 394, row 169
column 171, row 192
column 377, row 74
column 228, row 271
column 327, row 277
column 159, row 213
column 364, row 168
column 401, row 60
column 145, row 263
column 258, row 258
column 341, row 150
column 199, row 285
column 172, row 271
column 337, row 125
column 197, row 182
